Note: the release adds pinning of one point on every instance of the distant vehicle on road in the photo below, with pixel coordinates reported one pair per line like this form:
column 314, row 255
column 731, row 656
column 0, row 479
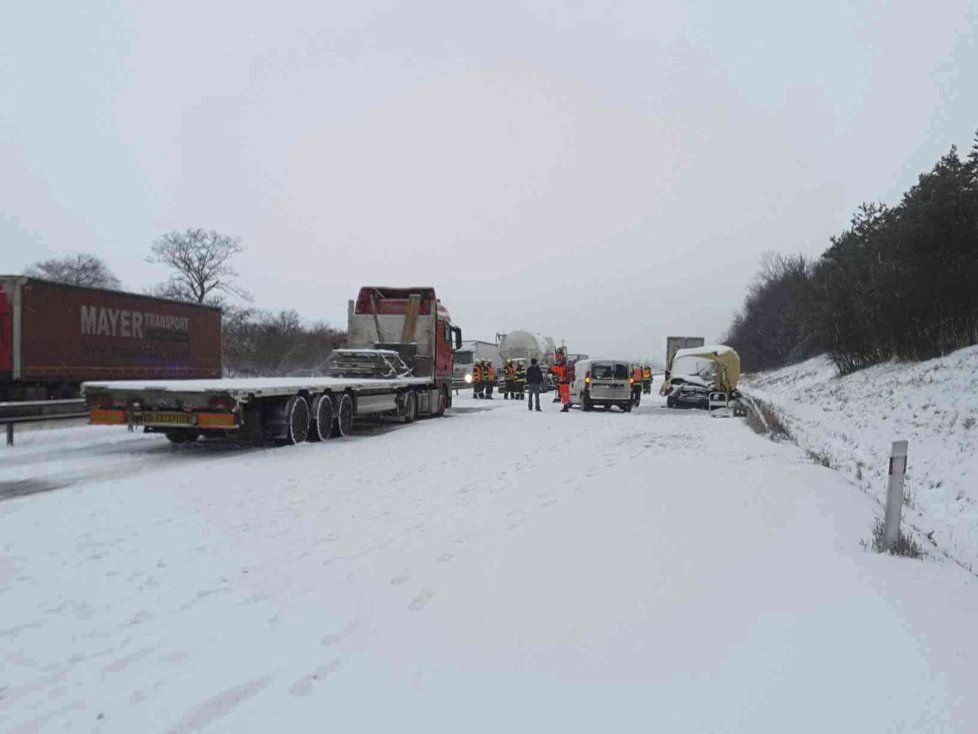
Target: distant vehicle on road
column 527, row 345
column 55, row 336
column 468, row 354
column 695, row 373
column 675, row 343
column 602, row 382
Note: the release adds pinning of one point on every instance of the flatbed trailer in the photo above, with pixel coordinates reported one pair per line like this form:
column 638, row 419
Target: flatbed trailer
column 406, row 376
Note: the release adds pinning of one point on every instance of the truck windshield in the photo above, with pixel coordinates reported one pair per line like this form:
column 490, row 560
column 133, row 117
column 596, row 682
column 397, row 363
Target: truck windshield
column 463, row 357
column 694, row 366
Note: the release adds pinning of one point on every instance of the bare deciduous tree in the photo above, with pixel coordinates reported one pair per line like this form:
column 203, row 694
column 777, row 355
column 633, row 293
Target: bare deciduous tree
column 81, row 269
column 200, row 262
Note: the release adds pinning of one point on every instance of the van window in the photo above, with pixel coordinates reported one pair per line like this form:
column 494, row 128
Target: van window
column 621, row 371
column 602, row 372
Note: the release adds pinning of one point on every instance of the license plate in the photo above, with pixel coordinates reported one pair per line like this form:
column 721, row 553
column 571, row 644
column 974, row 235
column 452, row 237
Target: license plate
column 165, row 419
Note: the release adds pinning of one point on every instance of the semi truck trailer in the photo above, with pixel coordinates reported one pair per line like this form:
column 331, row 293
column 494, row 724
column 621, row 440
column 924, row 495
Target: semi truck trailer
column 55, row 336
column 398, row 362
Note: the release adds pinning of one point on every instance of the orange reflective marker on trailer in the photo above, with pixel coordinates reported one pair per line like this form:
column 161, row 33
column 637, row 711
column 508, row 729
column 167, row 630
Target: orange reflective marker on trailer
column 101, row 417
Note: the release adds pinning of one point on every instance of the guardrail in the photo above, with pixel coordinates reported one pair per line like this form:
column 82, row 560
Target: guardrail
column 40, row 410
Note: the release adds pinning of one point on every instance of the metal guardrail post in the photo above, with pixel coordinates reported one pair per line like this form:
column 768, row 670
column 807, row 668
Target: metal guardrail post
column 894, row 495
column 38, row 411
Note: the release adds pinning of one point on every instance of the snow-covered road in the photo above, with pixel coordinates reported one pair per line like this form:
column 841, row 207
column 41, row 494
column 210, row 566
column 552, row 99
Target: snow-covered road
column 493, row 570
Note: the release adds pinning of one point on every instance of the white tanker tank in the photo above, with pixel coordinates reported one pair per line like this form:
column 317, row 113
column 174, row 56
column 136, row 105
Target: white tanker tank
column 527, row 345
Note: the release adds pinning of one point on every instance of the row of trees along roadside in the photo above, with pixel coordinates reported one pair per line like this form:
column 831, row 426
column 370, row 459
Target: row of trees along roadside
column 256, row 341
column 901, row 282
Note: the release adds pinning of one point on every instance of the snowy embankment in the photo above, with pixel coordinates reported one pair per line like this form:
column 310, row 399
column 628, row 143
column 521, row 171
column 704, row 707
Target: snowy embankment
column 850, row 423
column 494, row 570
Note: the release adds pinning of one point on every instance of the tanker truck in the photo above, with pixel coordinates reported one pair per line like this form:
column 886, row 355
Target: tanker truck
column 527, row 345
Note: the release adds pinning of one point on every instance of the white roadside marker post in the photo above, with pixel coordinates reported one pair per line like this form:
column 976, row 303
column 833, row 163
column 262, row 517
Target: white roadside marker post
column 894, row 495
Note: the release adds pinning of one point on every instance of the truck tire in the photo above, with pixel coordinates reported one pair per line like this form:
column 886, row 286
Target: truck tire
column 627, row 407
column 344, row 416
column 297, row 421
column 182, row 436
column 444, row 400
column 410, row 406
column 322, row 419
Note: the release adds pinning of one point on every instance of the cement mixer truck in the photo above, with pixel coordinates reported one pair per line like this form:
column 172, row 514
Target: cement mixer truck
column 526, row 345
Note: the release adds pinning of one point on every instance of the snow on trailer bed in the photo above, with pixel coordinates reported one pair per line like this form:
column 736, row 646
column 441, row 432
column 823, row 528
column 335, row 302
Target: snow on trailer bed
column 389, row 372
column 260, row 385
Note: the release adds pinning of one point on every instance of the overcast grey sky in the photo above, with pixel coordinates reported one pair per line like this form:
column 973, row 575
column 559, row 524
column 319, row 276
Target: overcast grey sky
column 605, row 173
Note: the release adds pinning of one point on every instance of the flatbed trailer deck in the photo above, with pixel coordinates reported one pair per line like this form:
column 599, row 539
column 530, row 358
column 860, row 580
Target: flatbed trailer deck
column 257, row 386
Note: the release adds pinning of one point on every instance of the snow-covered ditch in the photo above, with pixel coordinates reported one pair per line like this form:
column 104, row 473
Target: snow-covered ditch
column 850, row 423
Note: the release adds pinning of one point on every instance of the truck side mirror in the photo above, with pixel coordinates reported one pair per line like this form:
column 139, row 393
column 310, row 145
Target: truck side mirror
column 458, row 336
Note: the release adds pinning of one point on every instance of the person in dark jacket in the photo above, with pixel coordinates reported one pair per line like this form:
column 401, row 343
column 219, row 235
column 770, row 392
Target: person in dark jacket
column 534, row 383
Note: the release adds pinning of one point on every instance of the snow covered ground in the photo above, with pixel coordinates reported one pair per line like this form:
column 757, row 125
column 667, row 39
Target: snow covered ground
column 852, row 421
column 493, row 570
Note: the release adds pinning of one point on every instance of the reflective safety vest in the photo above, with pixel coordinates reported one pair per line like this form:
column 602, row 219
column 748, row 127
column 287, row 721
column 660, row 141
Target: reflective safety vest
column 637, row 375
column 646, row 374
column 510, row 372
column 521, row 373
column 491, row 376
column 477, row 373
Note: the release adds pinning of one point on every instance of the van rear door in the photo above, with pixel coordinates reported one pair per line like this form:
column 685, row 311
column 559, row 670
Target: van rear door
column 609, row 381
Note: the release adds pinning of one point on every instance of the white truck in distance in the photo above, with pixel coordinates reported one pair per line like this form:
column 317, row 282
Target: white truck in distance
column 398, row 363
column 468, row 354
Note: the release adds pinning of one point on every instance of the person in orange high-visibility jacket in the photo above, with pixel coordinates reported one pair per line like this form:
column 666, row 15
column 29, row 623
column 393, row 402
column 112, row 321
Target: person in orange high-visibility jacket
column 489, row 374
column 646, row 380
column 564, row 386
column 477, row 385
column 509, row 379
column 636, row 381
column 557, row 372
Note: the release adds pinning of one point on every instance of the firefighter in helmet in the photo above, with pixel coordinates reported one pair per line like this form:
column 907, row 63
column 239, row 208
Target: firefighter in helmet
column 636, row 381
column 489, row 376
column 477, row 385
column 520, row 385
column 646, row 380
column 509, row 379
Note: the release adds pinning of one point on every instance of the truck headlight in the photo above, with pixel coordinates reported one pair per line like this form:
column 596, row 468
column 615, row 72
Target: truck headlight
column 468, row 378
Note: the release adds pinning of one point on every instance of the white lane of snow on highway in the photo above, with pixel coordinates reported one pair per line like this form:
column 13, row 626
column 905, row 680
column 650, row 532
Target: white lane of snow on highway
column 493, row 570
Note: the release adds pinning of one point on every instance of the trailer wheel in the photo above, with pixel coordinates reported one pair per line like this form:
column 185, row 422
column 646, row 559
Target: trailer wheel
column 410, row 406
column 322, row 422
column 182, row 436
column 296, row 421
column 344, row 416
